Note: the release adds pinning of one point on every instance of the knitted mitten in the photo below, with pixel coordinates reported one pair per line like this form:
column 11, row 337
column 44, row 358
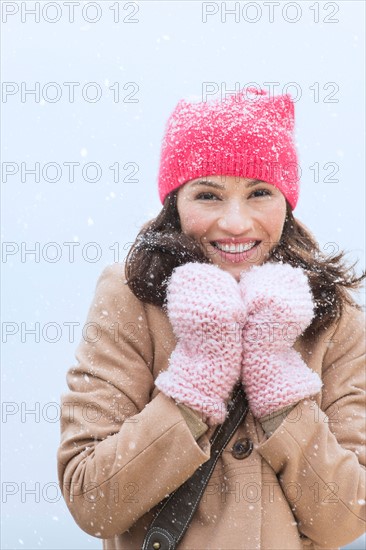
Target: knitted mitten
column 280, row 308
column 206, row 311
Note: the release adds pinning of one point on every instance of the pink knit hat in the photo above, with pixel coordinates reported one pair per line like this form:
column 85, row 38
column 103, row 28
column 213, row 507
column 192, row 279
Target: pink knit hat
column 249, row 135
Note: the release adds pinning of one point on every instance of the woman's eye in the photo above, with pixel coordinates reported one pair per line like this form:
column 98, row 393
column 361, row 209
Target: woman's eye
column 261, row 193
column 206, row 196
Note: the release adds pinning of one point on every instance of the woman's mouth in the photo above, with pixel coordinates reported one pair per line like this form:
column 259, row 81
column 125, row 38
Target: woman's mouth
column 236, row 252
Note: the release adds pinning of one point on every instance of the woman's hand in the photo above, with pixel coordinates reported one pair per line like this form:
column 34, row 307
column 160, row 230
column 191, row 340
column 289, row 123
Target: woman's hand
column 280, row 307
column 207, row 314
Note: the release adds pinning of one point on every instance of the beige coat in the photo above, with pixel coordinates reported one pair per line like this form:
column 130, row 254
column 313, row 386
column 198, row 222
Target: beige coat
column 125, row 445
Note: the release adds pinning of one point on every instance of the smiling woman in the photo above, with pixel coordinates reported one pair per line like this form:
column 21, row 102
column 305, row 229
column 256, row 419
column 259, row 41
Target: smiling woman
column 245, row 365
column 238, row 221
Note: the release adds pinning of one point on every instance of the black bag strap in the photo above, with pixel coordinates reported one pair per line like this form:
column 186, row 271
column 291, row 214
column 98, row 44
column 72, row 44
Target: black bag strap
column 171, row 522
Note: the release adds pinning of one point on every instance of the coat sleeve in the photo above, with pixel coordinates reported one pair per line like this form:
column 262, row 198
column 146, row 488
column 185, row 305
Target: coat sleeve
column 121, row 452
column 318, row 453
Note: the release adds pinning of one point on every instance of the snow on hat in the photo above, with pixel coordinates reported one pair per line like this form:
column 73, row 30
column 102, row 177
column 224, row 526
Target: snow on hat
column 249, row 135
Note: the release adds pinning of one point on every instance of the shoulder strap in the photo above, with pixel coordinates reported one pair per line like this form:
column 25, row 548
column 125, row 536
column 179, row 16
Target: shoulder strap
column 171, row 522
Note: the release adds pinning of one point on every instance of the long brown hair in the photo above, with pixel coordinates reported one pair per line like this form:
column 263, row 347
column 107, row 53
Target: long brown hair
column 161, row 246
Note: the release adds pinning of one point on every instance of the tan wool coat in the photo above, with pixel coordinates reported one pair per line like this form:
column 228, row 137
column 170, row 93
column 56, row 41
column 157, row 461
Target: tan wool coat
column 125, row 445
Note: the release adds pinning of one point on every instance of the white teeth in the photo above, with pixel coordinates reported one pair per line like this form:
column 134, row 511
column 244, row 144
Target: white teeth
column 235, row 248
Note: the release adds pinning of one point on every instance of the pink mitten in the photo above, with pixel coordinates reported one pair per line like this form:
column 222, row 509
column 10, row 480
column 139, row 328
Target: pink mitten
column 206, row 311
column 280, row 307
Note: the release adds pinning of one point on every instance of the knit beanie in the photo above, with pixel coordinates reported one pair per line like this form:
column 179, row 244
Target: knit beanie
column 249, row 135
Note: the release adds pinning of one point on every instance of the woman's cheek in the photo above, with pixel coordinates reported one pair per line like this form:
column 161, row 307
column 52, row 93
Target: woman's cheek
column 196, row 223
column 275, row 227
column 274, row 220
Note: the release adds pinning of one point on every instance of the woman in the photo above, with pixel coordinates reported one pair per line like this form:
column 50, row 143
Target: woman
column 224, row 289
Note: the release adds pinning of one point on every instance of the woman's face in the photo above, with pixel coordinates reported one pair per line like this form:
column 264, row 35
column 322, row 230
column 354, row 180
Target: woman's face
column 237, row 221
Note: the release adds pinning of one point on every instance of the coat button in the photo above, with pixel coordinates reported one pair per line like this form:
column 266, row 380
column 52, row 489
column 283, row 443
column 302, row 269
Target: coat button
column 242, row 448
column 156, row 545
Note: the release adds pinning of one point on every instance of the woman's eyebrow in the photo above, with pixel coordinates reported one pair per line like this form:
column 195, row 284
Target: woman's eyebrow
column 216, row 185
column 254, row 182
column 209, row 183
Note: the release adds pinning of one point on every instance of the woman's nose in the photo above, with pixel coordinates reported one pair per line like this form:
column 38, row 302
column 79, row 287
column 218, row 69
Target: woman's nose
column 236, row 219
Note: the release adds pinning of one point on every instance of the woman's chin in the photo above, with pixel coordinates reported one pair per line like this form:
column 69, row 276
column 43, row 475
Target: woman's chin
column 236, row 263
